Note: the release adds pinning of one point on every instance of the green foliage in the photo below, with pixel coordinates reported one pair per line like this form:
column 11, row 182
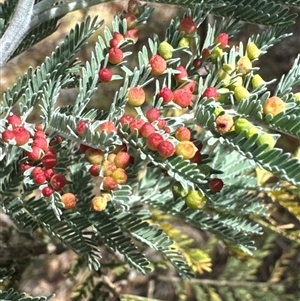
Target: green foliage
column 236, row 215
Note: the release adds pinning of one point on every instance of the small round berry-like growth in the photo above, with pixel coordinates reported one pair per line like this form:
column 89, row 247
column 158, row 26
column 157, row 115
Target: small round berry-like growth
column 222, row 38
column 152, row 114
column 197, row 63
column 126, row 119
column 21, row 135
column 266, row 138
column 242, row 124
column 99, row 203
column 122, row 159
column 136, row 124
column 40, row 134
column 69, row 200
column 105, row 75
column 244, row 65
column 158, row 65
column 187, row 25
column 115, row 41
column 120, row 176
column 108, row 168
column 224, row 123
column 115, row 55
column 58, row 181
column 108, row 127
column 165, row 50
column 14, row 120
column 109, row 183
column 7, row 135
column 183, row 133
column 49, row 173
column 94, row 156
column 210, row 92
column 154, row 140
column 274, row 105
column 136, row 96
column 241, row 93
column 186, row 149
column 166, row 94
column 257, row 81
column 253, row 52
column 39, row 178
column 183, row 97
column 182, row 76
column 166, row 149
column 41, row 142
column 95, row 170
column 25, row 166
column 205, row 53
column 37, row 170
column 216, row 185
column 35, row 153
column 195, row 199
column 147, row 129
column 132, row 34
column 47, row 191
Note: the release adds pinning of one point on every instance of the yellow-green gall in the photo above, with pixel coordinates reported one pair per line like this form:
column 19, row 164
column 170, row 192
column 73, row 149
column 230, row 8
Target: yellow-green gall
column 242, row 124
column 165, row 50
column 257, row 81
column 252, row 131
column 228, row 68
column 222, row 94
column 236, row 82
column 297, row 96
column 215, row 54
column 195, row 199
column 224, row 77
column 244, row 65
column 218, row 111
column 266, row 138
column 178, row 190
column 253, row 52
column 184, row 42
column 241, row 93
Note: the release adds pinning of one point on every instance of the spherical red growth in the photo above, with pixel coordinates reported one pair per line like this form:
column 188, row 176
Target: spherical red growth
column 95, row 170
column 182, row 76
column 122, row 159
column 166, row 129
column 120, row 176
column 166, row 94
column 183, row 97
column 224, row 123
column 21, row 135
column 7, row 135
column 158, row 65
column 147, row 129
column 183, row 134
column 35, row 154
column 126, row 119
column 109, row 183
column 47, row 191
column 115, row 41
column 191, row 86
column 39, row 134
column 136, row 124
column 187, row 25
column 152, row 114
column 205, row 53
column 105, row 75
column 55, row 141
column 197, row 158
column 136, row 96
column 69, row 200
column 25, row 166
column 14, row 120
column 132, row 34
column 108, row 168
column 166, row 149
column 49, row 173
column 40, row 142
column 131, row 20
column 273, row 105
column 50, row 150
column 197, row 63
column 94, row 156
column 216, row 185
column 161, row 123
column 58, row 181
column 154, row 140
column 115, row 55
column 210, row 92
column 37, row 170
column 49, row 160
column 81, row 125
column 222, row 38
column 39, row 178
column 108, row 127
